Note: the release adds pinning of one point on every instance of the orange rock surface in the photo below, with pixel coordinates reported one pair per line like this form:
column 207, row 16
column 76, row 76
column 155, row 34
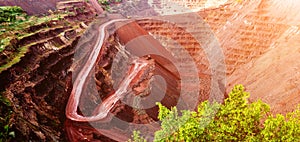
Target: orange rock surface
column 260, row 40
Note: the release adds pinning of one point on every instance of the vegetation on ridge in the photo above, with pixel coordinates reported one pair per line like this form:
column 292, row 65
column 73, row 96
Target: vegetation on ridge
column 6, row 133
column 235, row 120
column 15, row 25
column 10, row 13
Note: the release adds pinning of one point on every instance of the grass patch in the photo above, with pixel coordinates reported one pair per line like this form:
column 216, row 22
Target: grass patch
column 6, row 134
column 4, row 42
column 18, row 28
column 15, row 59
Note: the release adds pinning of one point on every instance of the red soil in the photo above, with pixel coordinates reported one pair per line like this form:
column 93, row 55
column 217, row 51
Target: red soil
column 32, row 7
column 259, row 40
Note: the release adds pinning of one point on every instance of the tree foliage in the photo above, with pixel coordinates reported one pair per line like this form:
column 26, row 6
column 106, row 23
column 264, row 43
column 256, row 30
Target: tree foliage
column 234, row 120
column 137, row 137
column 10, row 13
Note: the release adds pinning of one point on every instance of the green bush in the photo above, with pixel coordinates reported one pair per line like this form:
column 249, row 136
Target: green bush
column 234, row 120
column 10, row 13
column 136, row 137
column 6, row 134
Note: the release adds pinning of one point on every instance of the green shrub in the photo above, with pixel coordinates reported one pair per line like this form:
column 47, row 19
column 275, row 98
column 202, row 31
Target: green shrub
column 282, row 128
column 136, row 137
column 235, row 120
column 6, row 134
column 10, row 13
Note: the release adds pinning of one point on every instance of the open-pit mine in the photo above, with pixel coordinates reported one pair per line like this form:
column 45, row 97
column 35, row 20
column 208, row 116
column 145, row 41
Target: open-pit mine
column 88, row 70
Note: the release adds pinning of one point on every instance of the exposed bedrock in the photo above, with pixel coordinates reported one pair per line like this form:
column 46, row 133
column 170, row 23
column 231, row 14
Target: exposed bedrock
column 258, row 40
column 39, row 84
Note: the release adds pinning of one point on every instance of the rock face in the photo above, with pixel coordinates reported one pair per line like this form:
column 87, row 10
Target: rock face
column 39, row 84
column 259, row 44
column 251, row 34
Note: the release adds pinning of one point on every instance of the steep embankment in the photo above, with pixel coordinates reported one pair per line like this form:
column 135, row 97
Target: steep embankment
column 248, row 32
column 274, row 76
column 35, row 74
column 261, row 50
column 251, row 35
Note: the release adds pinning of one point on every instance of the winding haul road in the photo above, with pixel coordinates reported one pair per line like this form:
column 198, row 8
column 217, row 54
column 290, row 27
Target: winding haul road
column 101, row 112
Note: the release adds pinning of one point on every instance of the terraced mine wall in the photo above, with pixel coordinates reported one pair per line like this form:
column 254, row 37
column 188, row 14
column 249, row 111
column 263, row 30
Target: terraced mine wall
column 251, row 33
column 38, row 85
